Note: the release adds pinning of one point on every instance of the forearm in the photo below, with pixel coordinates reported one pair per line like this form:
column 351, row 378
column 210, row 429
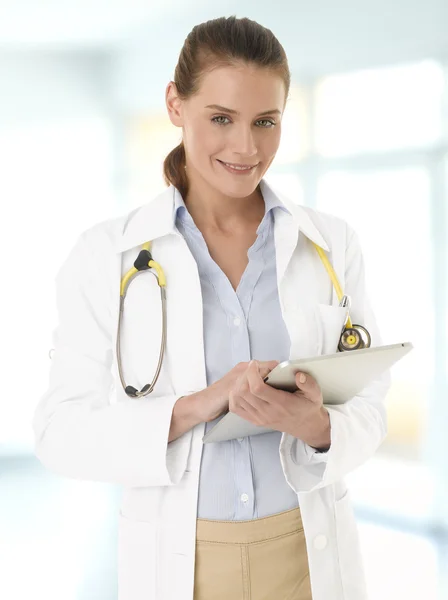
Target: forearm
column 185, row 416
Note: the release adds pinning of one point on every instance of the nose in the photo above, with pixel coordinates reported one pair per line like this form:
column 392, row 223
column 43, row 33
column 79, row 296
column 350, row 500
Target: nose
column 244, row 143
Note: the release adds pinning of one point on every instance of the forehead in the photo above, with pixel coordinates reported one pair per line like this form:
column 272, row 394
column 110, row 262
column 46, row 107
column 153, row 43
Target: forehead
column 242, row 85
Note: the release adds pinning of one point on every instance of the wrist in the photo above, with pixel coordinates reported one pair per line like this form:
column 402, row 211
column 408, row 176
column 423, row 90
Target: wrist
column 188, row 407
column 196, row 406
column 183, row 418
column 320, row 432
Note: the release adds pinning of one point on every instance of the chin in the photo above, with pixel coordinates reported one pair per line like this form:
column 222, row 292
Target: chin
column 242, row 191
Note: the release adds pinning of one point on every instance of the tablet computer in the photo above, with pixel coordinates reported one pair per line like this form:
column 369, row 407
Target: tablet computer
column 340, row 376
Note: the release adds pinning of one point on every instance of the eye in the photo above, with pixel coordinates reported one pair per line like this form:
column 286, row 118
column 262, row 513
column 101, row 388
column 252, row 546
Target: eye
column 219, row 122
column 272, row 123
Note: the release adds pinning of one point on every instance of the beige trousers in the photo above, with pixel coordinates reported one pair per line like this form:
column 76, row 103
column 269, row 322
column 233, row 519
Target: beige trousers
column 260, row 559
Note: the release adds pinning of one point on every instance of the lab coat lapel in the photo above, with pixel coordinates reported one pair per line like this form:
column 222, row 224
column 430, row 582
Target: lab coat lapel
column 296, row 317
column 288, row 227
column 185, row 342
column 184, row 355
column 286, row 235
column 296, row 261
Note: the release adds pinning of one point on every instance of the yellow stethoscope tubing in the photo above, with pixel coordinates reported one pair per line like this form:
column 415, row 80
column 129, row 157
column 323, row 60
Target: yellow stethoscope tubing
column 152, row 264
column 161, row 280
column 331, row 272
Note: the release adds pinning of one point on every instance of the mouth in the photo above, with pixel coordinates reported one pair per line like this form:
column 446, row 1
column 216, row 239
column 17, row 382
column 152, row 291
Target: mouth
column 238, row 168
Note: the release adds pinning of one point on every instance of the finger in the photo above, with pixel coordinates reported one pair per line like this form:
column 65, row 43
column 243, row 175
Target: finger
column 271, row 364
column 251, row 403
column 246, row 407
column 307, row 385
column 304, row 380
column 243, row 399
column 257, row 387
column 265, row 367
column 250, row 377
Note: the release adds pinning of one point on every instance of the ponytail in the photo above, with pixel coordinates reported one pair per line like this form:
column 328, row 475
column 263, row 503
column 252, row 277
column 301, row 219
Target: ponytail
column 174, row 169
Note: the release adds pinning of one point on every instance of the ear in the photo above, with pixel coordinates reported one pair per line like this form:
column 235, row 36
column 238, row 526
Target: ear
column 173, row 104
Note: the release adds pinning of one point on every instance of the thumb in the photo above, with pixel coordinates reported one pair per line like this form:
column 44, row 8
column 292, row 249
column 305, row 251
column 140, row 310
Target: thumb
column 267, row 366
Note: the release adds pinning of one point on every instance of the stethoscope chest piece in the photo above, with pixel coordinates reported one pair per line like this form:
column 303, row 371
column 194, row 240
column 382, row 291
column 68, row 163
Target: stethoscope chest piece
column 354, row 338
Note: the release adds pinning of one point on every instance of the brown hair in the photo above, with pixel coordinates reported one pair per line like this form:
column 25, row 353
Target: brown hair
column 218, row 43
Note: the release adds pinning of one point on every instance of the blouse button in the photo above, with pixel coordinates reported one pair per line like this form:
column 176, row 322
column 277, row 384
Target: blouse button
column 320, row 542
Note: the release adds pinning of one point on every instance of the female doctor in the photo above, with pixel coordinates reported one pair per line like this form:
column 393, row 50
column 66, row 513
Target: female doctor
column 265, row 517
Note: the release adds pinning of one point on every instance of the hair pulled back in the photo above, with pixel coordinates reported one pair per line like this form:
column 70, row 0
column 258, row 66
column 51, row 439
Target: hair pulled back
column 222, row 42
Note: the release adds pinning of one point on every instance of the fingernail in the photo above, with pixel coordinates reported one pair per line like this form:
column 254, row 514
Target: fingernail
column 302, row 377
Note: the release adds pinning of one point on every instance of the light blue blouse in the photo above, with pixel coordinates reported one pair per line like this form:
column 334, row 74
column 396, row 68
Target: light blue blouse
column 240, row 479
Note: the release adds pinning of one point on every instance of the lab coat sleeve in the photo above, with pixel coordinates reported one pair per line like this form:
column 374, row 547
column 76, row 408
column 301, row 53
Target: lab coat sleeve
column 78, row 432
column 359, row 426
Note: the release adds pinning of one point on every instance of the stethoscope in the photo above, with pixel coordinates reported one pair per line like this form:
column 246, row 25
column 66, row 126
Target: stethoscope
column 353, row 337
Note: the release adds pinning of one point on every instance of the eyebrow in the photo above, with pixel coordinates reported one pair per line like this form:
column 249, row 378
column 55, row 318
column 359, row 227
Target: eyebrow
column 235, row 112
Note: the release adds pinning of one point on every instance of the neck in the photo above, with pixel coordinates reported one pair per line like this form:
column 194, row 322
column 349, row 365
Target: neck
column 224, row 213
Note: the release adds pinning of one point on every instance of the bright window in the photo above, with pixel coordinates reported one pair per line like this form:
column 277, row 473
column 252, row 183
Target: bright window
column 380, row 109
column 294, row 142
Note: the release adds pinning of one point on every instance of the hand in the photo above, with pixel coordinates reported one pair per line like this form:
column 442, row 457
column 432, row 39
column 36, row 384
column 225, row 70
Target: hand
column 213, row 401
column 300, row 413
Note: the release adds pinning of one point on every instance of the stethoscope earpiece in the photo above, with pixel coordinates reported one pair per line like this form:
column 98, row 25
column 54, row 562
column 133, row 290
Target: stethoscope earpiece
column 131, row 391
column 354, row 338
column 134, row 393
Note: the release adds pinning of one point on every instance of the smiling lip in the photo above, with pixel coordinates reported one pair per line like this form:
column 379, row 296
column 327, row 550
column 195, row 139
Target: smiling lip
column 236, row 164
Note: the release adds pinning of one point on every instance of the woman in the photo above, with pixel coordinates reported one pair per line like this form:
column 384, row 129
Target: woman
column 262, row 517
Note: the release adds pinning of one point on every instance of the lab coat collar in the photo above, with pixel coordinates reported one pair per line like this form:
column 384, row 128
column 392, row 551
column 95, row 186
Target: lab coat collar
column 157, row 218
column 271, row 201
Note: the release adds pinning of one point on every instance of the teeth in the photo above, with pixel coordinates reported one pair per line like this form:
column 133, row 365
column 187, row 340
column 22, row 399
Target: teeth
column 238, row 168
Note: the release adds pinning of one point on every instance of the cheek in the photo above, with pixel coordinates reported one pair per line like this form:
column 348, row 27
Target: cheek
column 272, row 142
column 207, row 149
column 204, row 139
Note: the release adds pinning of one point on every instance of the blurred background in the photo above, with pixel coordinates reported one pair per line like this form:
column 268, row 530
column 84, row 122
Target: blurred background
column 83, row 134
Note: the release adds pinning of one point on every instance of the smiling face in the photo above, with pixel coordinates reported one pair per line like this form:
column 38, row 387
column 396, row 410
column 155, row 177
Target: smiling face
column 234, row 118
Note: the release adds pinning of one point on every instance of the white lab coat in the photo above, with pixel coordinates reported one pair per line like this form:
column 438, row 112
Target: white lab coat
column 87, row 428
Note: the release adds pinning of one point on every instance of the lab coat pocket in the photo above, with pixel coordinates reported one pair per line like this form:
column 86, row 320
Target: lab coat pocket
column 329, row 323
column 137, row 558
column 349, row 551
